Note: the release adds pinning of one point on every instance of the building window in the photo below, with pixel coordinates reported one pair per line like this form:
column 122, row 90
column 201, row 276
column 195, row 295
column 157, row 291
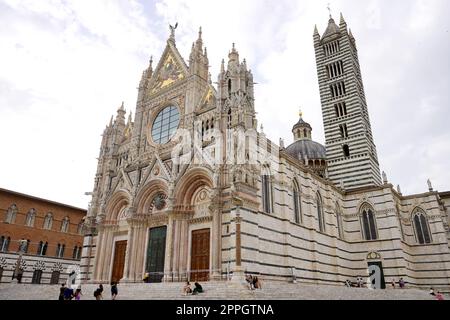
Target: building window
column 55, row 277
column 23, row 246
column 48, row 221
column 369, row 227
column 346, row 150
column 165, row 125
column 42, row 248
column 421, row 227
column 60, row 250
column 65, row 224
column 37, row 274
column 4, row 243
column 320, row 215
column 11, row 214
column 297, row 204
column 343, row 130
column 74, row 253
column 80, row 228
column 31, row 215
column 266, row 193
column 229, row 87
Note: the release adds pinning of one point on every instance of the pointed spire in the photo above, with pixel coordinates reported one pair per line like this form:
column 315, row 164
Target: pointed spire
column 222, row 66
column 150, row 66
column 342, row 20
column 385, row 180
column 111, row 121
column 316, row 31
column 200, row 33
column 430, row 186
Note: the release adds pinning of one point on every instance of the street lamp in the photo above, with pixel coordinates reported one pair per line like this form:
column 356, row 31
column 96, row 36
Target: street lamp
column 22, row 244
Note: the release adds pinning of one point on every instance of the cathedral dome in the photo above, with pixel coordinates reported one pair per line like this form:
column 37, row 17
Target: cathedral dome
column 309, row 149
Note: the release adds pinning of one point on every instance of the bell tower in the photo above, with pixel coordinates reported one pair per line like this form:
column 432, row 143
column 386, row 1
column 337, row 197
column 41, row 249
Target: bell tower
column 351, row 152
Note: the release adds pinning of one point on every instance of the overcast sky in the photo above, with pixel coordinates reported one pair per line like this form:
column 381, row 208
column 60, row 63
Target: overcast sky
column 66, row 66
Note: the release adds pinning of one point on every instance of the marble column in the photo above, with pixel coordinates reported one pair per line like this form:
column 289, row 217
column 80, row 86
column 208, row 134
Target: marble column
column 169, row 249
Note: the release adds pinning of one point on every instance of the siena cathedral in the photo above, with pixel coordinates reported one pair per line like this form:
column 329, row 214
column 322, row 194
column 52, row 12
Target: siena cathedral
column 192, row 189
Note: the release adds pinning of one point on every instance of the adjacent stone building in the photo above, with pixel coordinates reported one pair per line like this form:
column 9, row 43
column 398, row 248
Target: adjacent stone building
column 192, row 190
column 44, row 237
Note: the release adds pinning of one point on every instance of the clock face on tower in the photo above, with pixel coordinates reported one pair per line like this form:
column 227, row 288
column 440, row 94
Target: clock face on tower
column 165, row 125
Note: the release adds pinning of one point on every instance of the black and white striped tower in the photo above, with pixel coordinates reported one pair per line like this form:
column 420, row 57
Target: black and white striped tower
column 351, row 152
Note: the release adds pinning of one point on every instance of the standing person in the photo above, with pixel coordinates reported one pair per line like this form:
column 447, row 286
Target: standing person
column 439, row 296
column 114, row 291
column 78, row 294
column 393, row 283
column 249, row 280
column 256, row 283
column 68, row 293
column 432, row 292
column 98, row 293
column 61, row 291
column 401, row 283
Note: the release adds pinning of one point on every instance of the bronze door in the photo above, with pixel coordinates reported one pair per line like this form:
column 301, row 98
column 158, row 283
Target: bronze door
column 156, row 253
column 119, row 261
column 200, row 255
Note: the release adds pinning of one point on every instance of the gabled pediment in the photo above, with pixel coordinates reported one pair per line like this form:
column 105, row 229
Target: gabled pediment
column 170, row 69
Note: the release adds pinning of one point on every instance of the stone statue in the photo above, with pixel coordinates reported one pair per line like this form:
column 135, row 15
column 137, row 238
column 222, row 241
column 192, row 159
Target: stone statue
column 172, row 30
column 384, row 177
column 398, row 189
column 430, row 187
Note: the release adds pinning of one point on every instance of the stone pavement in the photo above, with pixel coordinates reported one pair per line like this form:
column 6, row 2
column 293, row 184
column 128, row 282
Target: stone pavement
column 217, row 291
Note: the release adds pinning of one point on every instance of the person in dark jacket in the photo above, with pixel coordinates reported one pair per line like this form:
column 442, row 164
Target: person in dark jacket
column 198, row 288
column 61, row 292
column 114, row 291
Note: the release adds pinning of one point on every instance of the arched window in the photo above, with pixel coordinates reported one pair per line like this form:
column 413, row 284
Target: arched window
column 61, row 251
column 65, row 224
column 75, row 252
column 320, row 215
column 80, row 228
column 11, row 214
column 31, row 215
column 23, row 246
column 297, row 203
column 42, row 248
column 229, row 119
column 4, row 243
column 48, row 221
column 421, row 227
column 339, row 224
column 266, row 193
column 229, row 87
column 369, row 227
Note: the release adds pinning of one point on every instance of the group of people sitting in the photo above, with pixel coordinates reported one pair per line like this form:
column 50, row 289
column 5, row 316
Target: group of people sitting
column 188, row 290
column 358, row 284
column 253, row 282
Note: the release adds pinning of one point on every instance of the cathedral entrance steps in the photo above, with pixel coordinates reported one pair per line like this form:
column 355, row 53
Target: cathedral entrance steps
column 217, row 290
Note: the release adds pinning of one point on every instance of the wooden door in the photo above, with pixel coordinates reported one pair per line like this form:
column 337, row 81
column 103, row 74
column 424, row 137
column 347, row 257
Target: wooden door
column 200, row 255
column 119, row 260
column 156, row 253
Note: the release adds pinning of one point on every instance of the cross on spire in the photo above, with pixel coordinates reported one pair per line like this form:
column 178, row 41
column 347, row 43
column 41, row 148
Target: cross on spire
column 329, row 9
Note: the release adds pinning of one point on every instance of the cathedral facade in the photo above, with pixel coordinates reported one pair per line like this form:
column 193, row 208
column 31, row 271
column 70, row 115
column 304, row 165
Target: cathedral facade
column 191, row 189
